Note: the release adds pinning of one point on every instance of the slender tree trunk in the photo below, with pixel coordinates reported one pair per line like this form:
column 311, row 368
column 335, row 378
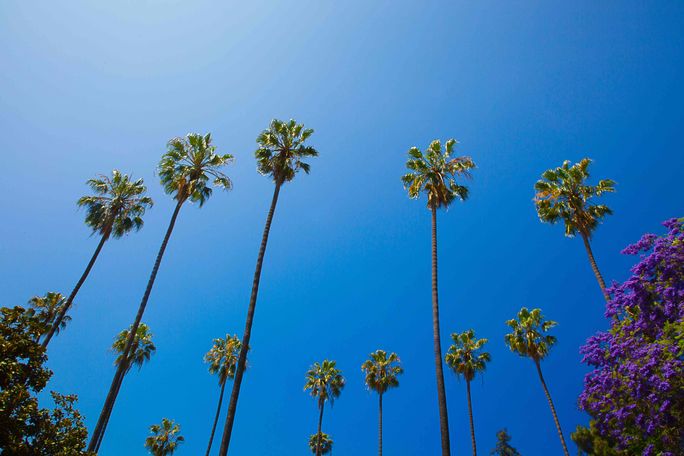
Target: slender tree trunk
column 113, row 391
column 470, row 415
column 594, row 267
column 320, row 425
column 70, row 299
column 242, row 358
column 216, row 418
column 380, row 428
column 118, row 387
column 441, row 393
column 553, row 409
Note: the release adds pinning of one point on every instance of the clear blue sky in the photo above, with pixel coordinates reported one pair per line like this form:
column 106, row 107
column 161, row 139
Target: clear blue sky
column 86, row 87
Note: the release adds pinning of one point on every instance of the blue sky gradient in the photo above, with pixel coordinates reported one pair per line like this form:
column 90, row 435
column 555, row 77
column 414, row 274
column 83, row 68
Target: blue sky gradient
column 91, row 86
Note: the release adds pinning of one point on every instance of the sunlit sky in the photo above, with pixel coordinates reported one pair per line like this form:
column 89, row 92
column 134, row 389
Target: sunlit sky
column 86, row 87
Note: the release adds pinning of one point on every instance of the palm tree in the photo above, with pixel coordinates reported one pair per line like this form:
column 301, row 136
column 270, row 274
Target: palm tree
column 435, row 173
column 280, row 156
column 320, row 443
column 185, row 171
column 382, row 372
column 47, row 308
column 165, row 439
column 222, row 359
column 503, row 446
column 465, row 359
column 325, row 383
column 116, row 208
column 529, row 339
column 561, row 194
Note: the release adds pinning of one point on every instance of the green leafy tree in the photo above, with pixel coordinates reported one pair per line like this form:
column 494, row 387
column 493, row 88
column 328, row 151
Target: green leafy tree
column 563, row 195
column 222, row 359
column 503, row 445
column 590, row 442
column 528, row 338
column 325, row 382
column 281, row 155
column 436, row 174
column 165, row 438
column 187, row 171
column 320, row 443
column 116, row 207
column 382, row 373
column 47, row 308
column 467, row 360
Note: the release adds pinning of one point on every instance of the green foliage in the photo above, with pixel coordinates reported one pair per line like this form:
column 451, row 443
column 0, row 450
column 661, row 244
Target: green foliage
column 117, row 206
column 324, row 382
column 464, row 357
column 141, row 351
column 529, row 338
column 561, row 194
column 189, row 164
column 282, row 150
column 590, row 442
column 382, row 371
column 223, row 357
column 435, row 173
column 503, row 446
column 46, row 309
column 326, row 443
column 165, row 438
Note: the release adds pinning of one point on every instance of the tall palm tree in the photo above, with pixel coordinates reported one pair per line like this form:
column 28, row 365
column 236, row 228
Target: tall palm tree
column 382, row 373
column 185, row 171
column 320, row 443
column 47, row 308
column 165, row 438
column 528, row 338
column 280, row 156
column 116, row 208
column 562, row 194
column 222, row 359
column 467, row 360
column 325, row 382
column 435, row 173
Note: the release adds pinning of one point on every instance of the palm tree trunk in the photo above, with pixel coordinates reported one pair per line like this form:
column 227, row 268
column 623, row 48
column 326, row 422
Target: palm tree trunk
column 380, row 428
column 216, row 418
column 70, row 299
column 553, row 409
column 470, row 414
column 118, row 387
column 594, row 267
column 113, row 391
column 242, row 358
column 441, row 393
column 320, row 425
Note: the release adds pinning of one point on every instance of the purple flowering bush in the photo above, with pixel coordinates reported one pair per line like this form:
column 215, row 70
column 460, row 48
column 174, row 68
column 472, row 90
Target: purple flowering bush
column 635, row 394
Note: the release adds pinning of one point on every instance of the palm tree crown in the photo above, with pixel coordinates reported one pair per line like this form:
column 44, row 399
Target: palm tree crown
column 282, row 151
column 47, row 308
column 324, row 381
column 561, row 194
column 464, row 356
column 435, row 173
column 326, row 443
column 188, row 165
column 143, row 347
column 528, row 337
column 165, row 439
column 117, row 206
column 382, row 371
column 223, row 356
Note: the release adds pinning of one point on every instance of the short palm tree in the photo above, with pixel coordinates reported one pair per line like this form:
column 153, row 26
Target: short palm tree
column 435, row 173
column 116, row 208
column 47, row 308
column 222, row 359
column 325, row 382
column 562, row 195
column 320, row 443
column 165, row 438
column 529, row 339
column 281, row 155
column 467, row 360
column 187, row 171
column 382, row 373
column 503, row 445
